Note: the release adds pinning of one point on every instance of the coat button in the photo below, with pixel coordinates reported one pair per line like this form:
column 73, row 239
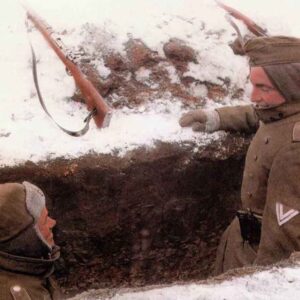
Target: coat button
column 255, row 157
column 249, row 194
column 267, row 139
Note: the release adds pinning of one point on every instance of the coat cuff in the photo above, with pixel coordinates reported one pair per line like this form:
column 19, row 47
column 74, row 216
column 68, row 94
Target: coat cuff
column 213, row 120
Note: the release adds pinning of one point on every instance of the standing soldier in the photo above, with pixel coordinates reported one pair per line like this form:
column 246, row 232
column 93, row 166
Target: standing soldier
column 27, row 248
column 267, row 229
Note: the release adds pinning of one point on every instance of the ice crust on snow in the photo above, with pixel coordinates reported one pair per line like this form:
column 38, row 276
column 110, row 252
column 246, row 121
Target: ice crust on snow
column 26, row 133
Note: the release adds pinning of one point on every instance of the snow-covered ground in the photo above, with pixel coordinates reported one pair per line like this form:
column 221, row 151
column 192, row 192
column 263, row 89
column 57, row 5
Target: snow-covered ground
column 275, row 284
column 26, row 133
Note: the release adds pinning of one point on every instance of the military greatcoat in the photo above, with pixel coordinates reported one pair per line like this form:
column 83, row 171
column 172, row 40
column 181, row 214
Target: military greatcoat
column 23, row 278
column 271, row 185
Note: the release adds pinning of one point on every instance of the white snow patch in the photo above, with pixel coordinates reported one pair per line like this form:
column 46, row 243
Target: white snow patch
column 173, row 75
column 198, row 90
column 102, row 69
column 26, row 133
column 129, row 129
column 142, row 74
column 217, row 62
column 275, row 284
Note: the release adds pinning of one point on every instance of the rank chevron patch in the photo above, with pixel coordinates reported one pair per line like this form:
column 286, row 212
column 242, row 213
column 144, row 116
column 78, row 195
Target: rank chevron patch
column 284, row 213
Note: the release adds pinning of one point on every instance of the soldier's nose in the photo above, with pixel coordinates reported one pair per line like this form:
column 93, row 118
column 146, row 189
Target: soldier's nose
column 255, row 95
column 256, row 98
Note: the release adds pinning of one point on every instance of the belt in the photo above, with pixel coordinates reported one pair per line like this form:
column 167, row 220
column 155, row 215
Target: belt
column 250, row 224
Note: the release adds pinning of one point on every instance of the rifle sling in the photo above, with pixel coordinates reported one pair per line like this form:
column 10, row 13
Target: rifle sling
column 78, row 133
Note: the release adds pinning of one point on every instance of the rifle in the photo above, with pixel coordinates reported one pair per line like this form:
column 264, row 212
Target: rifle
column 99, row 109
column 251, row 25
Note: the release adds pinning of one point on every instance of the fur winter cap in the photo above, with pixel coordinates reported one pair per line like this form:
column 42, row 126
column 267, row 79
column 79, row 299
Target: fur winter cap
column 20, row 206
column 14, row 216
column 275, row 50
column 280, row 58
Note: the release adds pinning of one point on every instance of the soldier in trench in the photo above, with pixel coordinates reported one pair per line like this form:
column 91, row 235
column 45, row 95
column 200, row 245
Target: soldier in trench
column 27, row 248
column 267, row 229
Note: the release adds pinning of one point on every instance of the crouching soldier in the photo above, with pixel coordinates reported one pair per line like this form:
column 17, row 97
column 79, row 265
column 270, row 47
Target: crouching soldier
column 27, row 248
column 267, row 229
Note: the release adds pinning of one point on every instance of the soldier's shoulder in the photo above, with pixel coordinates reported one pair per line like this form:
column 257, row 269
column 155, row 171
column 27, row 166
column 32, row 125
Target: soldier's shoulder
column 288, row 156
column 296, row 132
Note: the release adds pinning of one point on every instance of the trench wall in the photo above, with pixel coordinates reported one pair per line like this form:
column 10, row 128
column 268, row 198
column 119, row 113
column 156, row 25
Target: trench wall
column 153, row 216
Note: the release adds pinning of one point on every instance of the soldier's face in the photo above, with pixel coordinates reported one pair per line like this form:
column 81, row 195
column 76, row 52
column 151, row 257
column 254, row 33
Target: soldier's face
column 45, row 225
column 264, row 94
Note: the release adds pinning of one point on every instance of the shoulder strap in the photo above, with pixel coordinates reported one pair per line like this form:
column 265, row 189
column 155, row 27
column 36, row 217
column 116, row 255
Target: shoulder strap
column 19, row 293
column 296, row 132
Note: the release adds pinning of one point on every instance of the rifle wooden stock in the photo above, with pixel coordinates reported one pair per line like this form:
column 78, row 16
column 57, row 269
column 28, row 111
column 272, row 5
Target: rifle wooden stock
column 91, row 96
column 251, row 25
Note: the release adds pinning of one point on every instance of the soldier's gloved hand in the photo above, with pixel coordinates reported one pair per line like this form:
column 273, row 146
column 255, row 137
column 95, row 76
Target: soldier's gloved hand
column 201, row 120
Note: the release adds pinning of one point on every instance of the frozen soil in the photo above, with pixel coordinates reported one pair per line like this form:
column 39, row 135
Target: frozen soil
column 152, row 216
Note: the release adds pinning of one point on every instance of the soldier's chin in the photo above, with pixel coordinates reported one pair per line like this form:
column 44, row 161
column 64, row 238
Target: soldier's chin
column 50, row 239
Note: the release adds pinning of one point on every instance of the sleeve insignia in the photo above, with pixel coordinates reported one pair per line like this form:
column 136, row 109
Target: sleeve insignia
column 284, row 213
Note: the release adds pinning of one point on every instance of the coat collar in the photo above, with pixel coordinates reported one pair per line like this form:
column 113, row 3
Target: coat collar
column 278, row 113
column 26, row 265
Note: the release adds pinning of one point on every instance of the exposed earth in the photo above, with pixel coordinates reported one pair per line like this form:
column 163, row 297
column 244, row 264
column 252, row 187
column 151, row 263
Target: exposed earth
column 153, row 216
column 140, row 75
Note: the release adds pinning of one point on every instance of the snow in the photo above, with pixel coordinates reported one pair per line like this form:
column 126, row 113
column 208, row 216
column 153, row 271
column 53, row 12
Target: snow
column 26, row 133
column 275, row 284
column 198, row 90
column 172, row 73
column 102, row 69
column 142, row 74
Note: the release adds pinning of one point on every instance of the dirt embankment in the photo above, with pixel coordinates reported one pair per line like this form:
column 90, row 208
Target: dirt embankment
column 141, row 75
column 153, row 216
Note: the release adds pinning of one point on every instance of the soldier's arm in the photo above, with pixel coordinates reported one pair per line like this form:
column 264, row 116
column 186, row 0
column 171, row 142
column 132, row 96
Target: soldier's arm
column 234, row 118
column 238, row 118
column 281, row 218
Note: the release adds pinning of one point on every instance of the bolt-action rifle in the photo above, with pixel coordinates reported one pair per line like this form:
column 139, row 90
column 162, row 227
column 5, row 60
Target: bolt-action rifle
column 99, row 109
column 251, row 25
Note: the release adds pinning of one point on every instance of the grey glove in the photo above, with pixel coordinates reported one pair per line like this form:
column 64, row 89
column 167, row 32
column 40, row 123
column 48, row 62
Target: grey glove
column 201, row 120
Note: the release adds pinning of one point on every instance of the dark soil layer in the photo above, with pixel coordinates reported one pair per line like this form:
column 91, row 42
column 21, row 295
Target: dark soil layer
column 153, row 216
